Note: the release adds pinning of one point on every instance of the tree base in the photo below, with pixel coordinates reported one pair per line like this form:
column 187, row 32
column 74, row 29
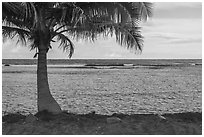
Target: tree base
column 49, row 104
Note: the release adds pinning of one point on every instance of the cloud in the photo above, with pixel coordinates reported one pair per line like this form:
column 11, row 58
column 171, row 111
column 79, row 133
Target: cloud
column 11, row 49
column 186, row 40
column 113, row 55
column 166, row 36
column 16, row 50
column 173, row 5
column 178, row 10
column 175, row 38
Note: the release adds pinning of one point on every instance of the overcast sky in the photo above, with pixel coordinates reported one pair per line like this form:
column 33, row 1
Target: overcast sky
column 175, row 31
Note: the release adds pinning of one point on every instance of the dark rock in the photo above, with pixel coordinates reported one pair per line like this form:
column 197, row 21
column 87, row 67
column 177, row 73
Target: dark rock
column 7, row 65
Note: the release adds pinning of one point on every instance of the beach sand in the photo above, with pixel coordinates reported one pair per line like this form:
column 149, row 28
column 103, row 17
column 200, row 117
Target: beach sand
column 157, row 90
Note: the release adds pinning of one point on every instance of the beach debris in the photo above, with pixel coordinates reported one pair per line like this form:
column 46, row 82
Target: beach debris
column 111, row 120
column 193, row 64
column 30, row 118
column 128, row 64
column 161, row 117
column 93, row 112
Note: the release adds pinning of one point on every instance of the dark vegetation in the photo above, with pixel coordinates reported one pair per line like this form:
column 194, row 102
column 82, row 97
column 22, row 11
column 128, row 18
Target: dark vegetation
column 189, row 123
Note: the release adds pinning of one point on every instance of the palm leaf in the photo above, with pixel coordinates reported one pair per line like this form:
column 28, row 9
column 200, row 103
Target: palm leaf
column 30, row 11
column 80, row 20
column 10, row 9
column 145, row 10
column 122, row 18
column 11, row 32
column 66, row 44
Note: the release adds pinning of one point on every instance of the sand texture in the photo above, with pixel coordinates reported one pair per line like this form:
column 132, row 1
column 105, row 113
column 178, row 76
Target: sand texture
column 110, row 101
column 106, row 91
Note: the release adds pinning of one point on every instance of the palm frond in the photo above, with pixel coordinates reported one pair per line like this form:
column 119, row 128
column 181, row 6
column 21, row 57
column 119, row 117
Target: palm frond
column 131, row 39
column 122, row 18
column 126, row 35
column 16, row 16
column 138, row 11
column 30, row 12
column 145, row 10
column 10, row 9
column 62, row 13
column 113, row 10
column 11, row 32
column 66, row 44
column 79, row 20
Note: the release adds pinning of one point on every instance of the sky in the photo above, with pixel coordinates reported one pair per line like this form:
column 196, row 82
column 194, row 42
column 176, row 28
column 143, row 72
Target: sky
column 174, row 32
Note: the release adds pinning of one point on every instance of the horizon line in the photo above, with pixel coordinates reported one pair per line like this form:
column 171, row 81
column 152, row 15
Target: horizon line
column 102, row 58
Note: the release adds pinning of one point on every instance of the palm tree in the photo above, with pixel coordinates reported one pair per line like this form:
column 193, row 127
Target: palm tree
column 39, row 24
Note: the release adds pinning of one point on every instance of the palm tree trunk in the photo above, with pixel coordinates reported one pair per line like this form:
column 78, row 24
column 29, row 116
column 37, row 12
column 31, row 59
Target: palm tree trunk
column 45, row 101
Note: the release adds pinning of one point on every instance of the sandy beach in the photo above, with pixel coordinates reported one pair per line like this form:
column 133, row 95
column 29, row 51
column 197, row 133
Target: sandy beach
column 142, row 90
column 107, row 91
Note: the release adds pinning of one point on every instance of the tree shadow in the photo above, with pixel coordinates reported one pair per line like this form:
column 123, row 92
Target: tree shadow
column 115, row 124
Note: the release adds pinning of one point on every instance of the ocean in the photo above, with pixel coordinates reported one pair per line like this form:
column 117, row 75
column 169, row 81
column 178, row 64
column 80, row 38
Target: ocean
column 107, row 62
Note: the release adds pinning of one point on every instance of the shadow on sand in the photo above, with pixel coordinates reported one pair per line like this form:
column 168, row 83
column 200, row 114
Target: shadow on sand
column 189, row 123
